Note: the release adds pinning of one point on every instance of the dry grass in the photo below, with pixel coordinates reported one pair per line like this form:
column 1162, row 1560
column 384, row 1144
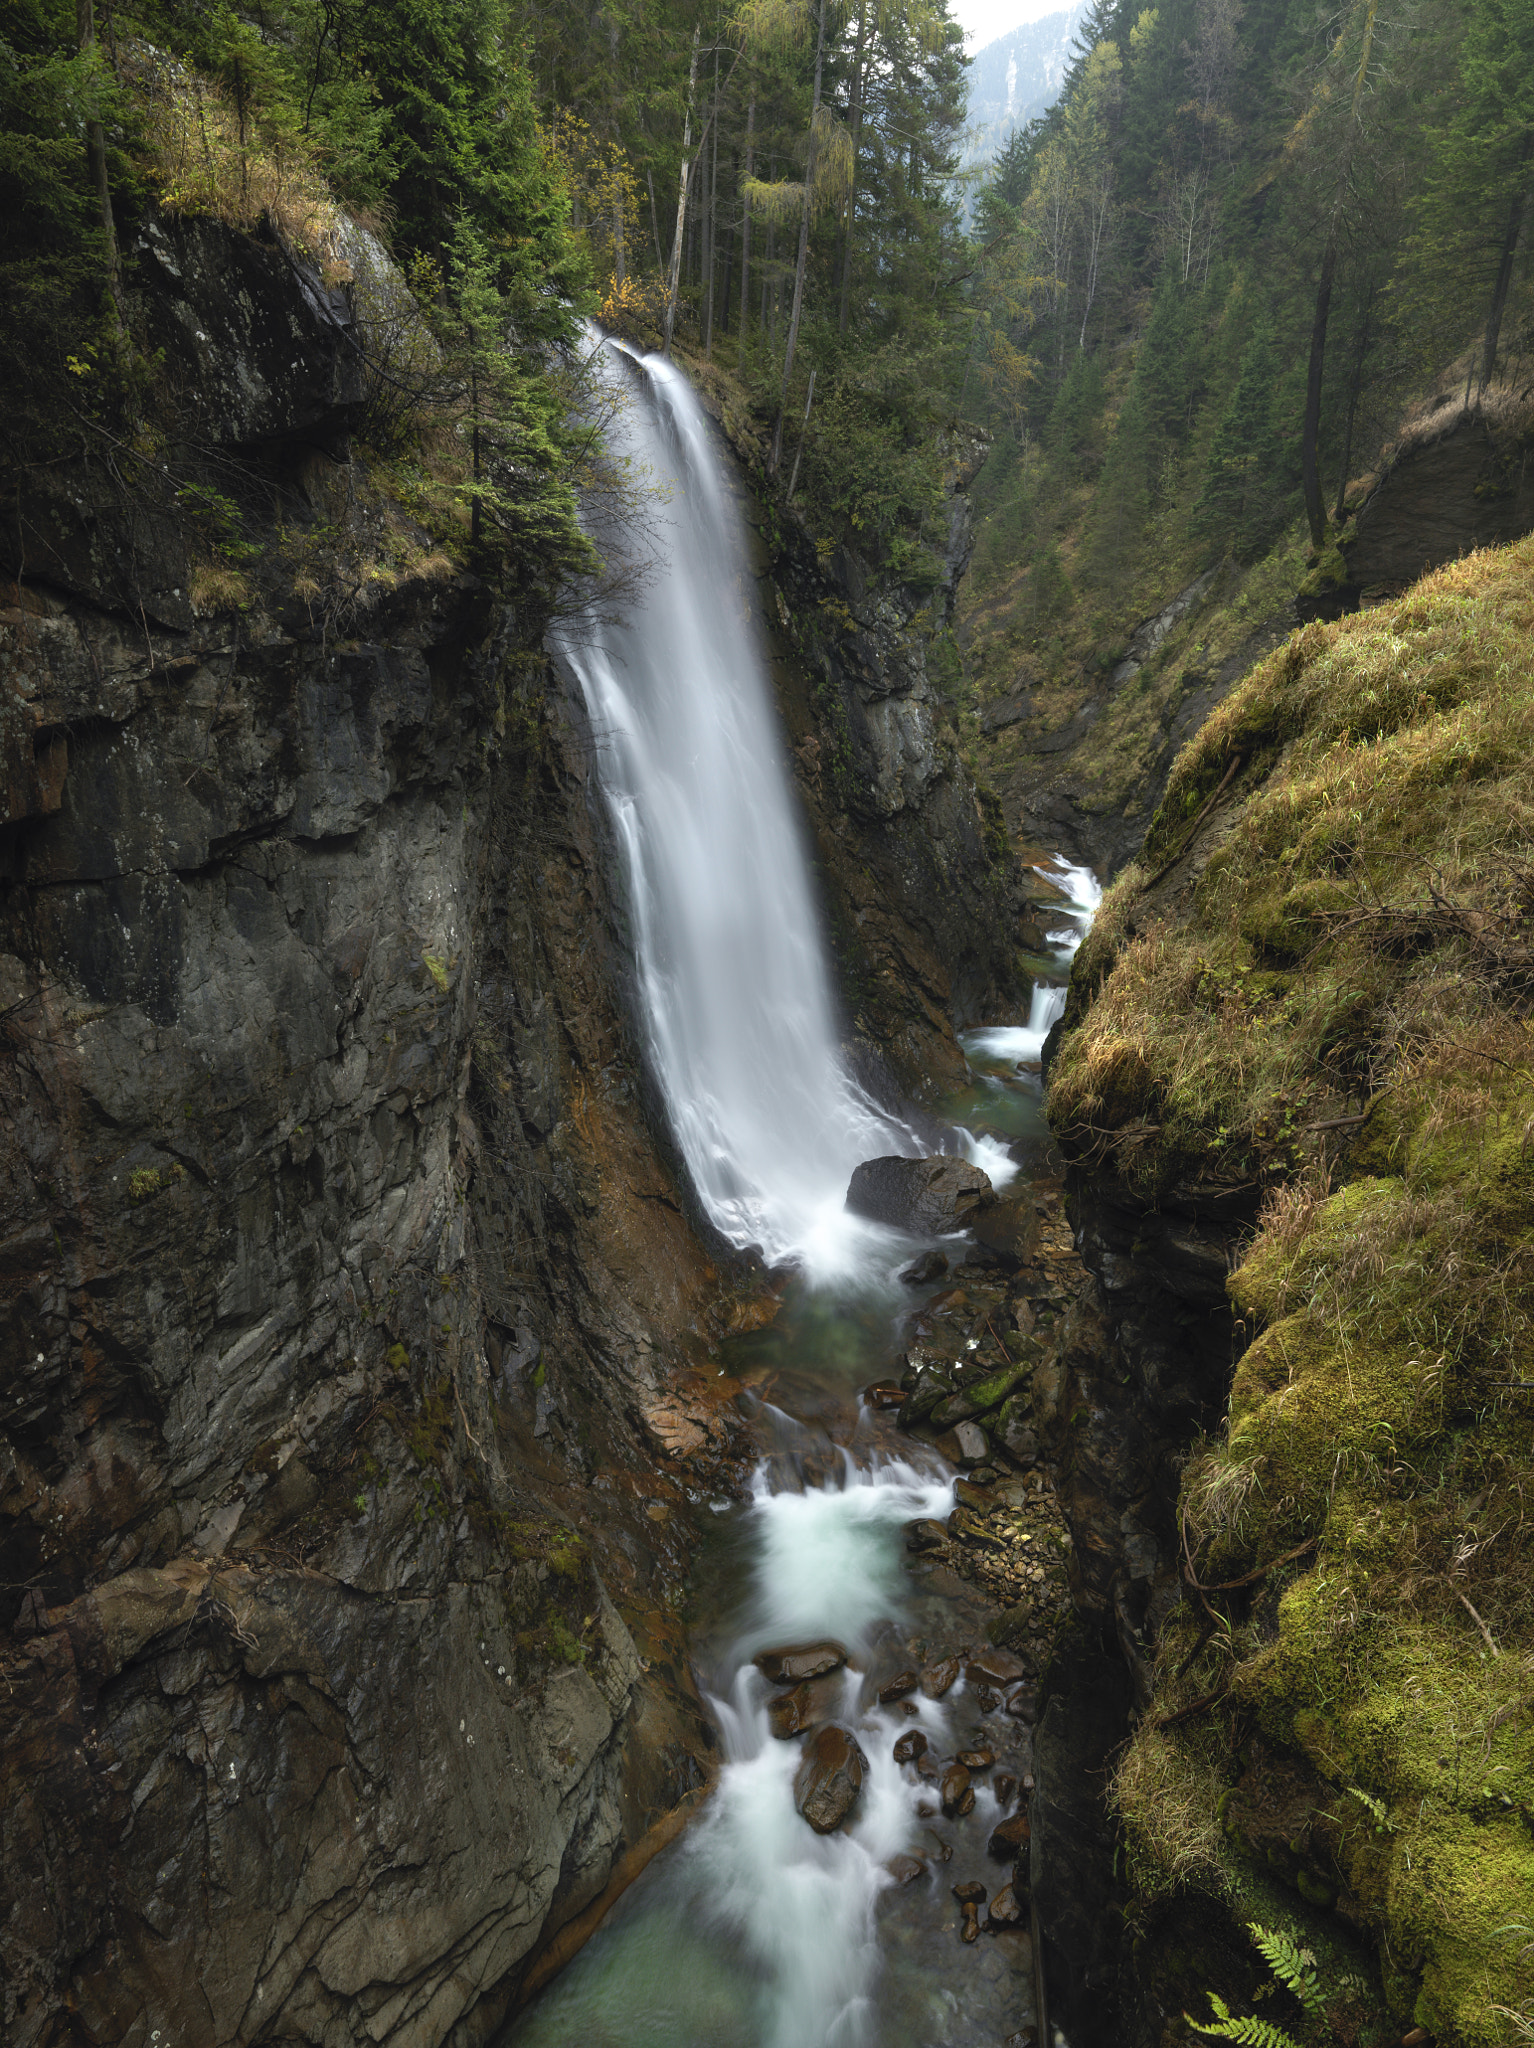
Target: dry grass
column 215, row 587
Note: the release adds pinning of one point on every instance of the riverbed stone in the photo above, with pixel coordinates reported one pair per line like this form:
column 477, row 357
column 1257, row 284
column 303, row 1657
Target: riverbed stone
column 922, row 1271
column 995, row 1667
column 905, row 1869
column 956, row 1792
column 926, row 1535
column 939, row 1678
column 830, row 1777
column 809, row 1660
column 898, row 1687
column 965, row 1445
column 1005, row 1911
column 802, row 1706
column 910, row 1746
column 1011, row 1836
column 919, row 1195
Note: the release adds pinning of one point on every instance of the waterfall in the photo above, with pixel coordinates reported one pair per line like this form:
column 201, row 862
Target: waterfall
column 734, row 987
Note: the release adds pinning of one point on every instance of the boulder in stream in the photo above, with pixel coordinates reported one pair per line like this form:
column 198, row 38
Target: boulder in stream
column 910, row 1746
column 1005, row 1910
column 830, row 1778
column 995, row 1667
column 1011, row 1837
column 897, row 1687
column 937, row 1678
column 956, row 1792
column 802, row 1706
column 919, row 1195
column 808, row 1660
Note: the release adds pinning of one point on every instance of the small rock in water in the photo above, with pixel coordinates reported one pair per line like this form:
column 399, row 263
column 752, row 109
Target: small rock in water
column 1006, row 1910
column 984, row 1475
column 1004, row 1785
column 957, row 1793
column 995, row 1667
column 922, row 1271
column 964, row 1444
column 935, row 1194
column 941, row 1851
column 910, row 1746
column 884, row 1394
column 971, row 1898
column 1011, row 1837
column 927, row 1766
column 926, row 1535
column 1022, row 1703
column 937, row 1678
column 810, row 1660
column 905, row 1869
column 909, row 1707
column 830, row 1777
column 902, row 1683
column 977, row 1759
column 986, row 1700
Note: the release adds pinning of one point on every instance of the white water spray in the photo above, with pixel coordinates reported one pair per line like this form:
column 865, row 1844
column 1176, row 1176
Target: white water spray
column 736, row 996
column 1022, row 1045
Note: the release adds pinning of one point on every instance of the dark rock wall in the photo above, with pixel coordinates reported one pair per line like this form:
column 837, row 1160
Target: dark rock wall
column 339, row 1275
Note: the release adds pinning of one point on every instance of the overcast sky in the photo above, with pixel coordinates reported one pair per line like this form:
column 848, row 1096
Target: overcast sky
column 984, row 20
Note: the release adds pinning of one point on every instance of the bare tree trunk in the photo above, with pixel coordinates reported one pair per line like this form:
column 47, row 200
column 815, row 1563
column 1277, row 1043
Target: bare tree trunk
column 729, row 256
column 1505, row 268
column 96, row 163
column 660, row 261
column 1315, row 509
column 856, row 118
column 711, row 222
column 745, row 221
column 804, row 253
column 1355, row 392
column 618, row 264
column 674, row 277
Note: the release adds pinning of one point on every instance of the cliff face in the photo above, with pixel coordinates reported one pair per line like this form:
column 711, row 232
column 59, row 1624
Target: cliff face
column 338, row 1257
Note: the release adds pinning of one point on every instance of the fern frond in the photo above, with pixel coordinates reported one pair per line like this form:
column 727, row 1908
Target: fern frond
column 1293, row 1966
column 1254, row 2033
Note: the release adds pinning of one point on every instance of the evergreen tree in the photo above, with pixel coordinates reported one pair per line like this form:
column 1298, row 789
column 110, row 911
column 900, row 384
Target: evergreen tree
column 1242, row 502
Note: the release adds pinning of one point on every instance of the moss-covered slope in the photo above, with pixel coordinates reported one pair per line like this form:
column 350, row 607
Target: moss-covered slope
column 1316, row 981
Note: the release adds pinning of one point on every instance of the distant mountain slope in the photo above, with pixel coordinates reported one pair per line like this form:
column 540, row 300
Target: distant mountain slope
column 1014, row 78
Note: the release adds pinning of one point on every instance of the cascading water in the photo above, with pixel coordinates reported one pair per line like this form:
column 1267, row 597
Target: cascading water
column 733, row 977
column 755, row 1929
column 1018, row 1045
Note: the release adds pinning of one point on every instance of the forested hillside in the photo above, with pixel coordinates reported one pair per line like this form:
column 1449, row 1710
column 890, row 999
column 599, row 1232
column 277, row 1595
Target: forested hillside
column 1214, row 279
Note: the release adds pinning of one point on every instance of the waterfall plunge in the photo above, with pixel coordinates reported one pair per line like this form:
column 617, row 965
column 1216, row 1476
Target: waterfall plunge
column 736, row 997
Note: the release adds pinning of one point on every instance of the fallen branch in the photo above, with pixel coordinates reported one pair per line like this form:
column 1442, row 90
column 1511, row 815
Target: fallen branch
column 1192, row 832
column 1485, row 1631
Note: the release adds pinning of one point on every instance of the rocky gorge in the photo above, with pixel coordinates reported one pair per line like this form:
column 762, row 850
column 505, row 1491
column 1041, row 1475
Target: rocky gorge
column 358, row 1320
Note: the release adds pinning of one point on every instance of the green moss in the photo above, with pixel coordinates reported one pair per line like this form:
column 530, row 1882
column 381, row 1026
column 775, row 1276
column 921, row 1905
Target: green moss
column 1368, row 1490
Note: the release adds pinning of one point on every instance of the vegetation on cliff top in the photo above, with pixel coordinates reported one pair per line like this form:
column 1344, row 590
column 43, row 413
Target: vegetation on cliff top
column 1317, row 982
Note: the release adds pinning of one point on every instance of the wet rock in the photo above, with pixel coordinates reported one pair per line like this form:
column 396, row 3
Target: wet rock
column 902, row 1683
column 923, row 1271
column 1002, row 1235
column 956, row 1792
column 983, row 1475
column 919, row 1195
column 965, row 1445
column 1022, row 1703
column 884, row 1394
column 969, row 1495
column 941, row 1850
column 905, row 1869
column 926, row 1535
column 830, row 1778
column 995, row 1667
column 1015, row 1431
column 1005, row 1910
column 1004, row 1785
column 938, row 1678
column 977, row 1759
column 1011, row 1836
column 978, row 1396
column 802, row 1706
column 927, row 1766
column 788, row 1667
column 910, row 1746
column 971, row 1898
column 986, row 1700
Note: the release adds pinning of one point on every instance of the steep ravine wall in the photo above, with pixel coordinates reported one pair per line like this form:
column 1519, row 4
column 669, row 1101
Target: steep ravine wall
column 346, row 1294
column 356, row 1327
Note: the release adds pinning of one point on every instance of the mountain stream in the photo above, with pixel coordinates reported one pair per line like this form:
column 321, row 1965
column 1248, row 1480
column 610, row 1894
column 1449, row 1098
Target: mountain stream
column 754, row 1929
